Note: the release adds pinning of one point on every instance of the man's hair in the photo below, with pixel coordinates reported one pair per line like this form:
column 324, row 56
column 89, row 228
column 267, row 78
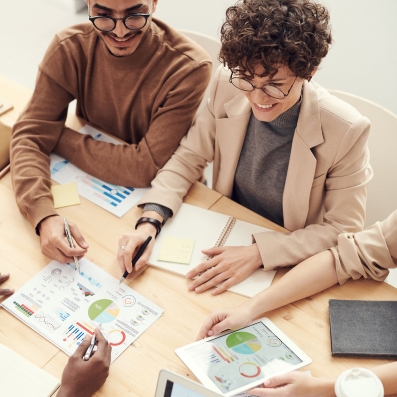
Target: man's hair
column 274, row 33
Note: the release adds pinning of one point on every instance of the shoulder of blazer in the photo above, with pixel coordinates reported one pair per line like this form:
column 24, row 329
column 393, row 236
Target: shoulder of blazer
column 332, row 107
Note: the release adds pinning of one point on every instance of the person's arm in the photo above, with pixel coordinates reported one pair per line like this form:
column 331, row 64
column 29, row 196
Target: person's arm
column 299, row 384
column 295, row 384
column 141, row 160
column 309, row 277
column 34, row 137
column 83, row 378
column 5, row 291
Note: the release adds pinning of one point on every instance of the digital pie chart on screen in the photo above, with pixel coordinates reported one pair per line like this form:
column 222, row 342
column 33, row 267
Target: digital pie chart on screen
column 103, row 311
column 243, row 342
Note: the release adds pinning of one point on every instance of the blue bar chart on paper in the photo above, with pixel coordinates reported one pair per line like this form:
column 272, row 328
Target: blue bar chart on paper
column 113, row 198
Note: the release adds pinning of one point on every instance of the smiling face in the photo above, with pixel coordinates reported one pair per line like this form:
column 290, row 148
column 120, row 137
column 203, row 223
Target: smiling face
column 266, row 108
column 122, row 41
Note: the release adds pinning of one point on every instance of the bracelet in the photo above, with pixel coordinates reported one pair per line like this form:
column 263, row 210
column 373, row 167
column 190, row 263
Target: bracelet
column 156, row 223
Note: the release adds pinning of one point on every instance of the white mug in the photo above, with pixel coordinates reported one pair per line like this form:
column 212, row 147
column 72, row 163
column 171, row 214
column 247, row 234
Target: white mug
column 358, row 382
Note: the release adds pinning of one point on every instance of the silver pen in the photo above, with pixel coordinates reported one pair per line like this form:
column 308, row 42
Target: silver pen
column 90, row 348
column 70, row 241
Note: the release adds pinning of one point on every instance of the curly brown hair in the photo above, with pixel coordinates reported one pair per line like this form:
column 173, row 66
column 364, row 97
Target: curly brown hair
column 274, row 33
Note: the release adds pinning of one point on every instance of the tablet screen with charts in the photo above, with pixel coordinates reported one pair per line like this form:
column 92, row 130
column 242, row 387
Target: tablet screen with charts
column 239, row 360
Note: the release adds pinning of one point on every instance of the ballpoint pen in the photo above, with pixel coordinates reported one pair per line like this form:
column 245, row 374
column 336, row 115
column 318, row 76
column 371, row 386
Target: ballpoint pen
column 70, row 241
column 136, row 257
column 90, row 348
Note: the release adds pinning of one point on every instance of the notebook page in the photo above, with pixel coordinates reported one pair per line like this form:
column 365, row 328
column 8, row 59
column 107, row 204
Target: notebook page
column 19, row 377
column 241, row 234
column 201, row 225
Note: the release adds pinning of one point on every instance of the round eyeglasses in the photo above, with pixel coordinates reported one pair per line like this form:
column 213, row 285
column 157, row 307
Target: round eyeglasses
column 131, row 22
column 268, row 89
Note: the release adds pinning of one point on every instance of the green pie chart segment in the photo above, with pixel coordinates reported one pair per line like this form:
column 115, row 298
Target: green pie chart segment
column 243, row 343
column 103, row 311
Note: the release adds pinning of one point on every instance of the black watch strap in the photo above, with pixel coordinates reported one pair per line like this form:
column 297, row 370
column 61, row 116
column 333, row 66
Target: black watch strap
column 156, row 223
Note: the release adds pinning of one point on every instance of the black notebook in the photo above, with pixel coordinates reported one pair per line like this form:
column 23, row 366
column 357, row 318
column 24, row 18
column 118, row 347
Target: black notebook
column 363, row 328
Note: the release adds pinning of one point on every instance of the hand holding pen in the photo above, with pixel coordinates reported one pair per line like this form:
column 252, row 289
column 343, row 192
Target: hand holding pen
column 53, row 243
column 84, row 377
column 70, row 241
column 136, row 257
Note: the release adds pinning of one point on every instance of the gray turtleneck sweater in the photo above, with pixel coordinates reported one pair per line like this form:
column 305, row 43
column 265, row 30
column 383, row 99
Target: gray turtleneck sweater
column 262, row 168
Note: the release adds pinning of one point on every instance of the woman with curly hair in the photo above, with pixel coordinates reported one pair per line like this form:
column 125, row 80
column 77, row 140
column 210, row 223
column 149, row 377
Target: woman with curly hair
column 281, row 146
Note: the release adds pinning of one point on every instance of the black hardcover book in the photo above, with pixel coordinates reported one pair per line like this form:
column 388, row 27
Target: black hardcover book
column 363, row 328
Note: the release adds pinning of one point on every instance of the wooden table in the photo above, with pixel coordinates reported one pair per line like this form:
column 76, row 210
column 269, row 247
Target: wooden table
column 135, row 372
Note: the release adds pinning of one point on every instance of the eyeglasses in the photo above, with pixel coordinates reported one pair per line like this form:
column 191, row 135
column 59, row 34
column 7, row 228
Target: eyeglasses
column 268, row 89
column 131, row 22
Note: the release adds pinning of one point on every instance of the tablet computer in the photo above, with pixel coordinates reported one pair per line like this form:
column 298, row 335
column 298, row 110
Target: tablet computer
column 170, row 384
column 236, row 361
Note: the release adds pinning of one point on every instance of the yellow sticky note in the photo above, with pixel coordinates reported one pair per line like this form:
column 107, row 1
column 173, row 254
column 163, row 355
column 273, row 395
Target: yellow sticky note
column 176, row 249
column 65, row 195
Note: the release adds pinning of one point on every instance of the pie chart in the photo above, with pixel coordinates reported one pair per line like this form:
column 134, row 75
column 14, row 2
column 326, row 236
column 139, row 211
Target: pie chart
column 103, row 311
column 243, row 343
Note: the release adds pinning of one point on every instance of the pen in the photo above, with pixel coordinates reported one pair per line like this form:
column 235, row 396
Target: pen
column 70, row 241
column 90, row 348
column 136, row 257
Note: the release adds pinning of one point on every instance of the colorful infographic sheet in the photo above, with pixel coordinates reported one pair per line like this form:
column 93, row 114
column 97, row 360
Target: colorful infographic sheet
column 63, row 306
column 113, row 198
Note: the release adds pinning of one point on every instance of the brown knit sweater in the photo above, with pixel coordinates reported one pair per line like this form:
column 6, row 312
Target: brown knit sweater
column 147, row 99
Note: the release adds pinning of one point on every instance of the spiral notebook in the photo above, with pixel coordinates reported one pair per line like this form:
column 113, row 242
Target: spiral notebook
column 210, row 229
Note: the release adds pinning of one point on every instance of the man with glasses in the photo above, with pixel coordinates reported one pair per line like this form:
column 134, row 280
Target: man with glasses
column 133, row 77
column 281, row 146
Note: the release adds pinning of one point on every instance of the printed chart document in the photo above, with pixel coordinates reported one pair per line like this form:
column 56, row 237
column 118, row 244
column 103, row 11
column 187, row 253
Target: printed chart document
column 63, row 305
column 19, row 377
column 113, row 198
column 209, row 229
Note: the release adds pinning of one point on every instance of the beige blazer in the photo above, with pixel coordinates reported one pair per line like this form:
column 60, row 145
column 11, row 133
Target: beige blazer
column 325, row 189
column 369, row 254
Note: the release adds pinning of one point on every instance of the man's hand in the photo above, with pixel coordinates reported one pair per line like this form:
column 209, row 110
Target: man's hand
column 222, row 320
column 5, row 291
column 83, row 378
column 54, row 244
column 229, row 266
column 295, row 384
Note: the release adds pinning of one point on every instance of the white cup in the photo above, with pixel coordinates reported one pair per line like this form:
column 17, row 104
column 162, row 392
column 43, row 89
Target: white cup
column 358, row 382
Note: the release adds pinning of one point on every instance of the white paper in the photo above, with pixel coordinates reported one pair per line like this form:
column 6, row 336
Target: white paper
column 19, row 377
column 205, row 227
column 63, row 305
column 391, row 279
column 113, row 198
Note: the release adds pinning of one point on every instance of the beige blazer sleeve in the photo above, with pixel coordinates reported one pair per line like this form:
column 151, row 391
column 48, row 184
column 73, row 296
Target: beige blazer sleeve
column 369, row 253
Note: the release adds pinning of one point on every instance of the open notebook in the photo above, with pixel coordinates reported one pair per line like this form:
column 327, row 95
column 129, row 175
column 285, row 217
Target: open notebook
column 209, row 229
column 19, row 377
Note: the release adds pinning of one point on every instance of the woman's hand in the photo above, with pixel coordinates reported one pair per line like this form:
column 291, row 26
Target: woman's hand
column 221, row 320
column 227, row 267
column 129, row 244
column 295, row 384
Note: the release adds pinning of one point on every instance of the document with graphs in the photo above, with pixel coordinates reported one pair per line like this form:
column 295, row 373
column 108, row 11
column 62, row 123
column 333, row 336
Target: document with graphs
column 113, row 198
column 64, row 305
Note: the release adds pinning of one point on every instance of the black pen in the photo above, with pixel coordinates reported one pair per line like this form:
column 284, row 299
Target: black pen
column 136, row 257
